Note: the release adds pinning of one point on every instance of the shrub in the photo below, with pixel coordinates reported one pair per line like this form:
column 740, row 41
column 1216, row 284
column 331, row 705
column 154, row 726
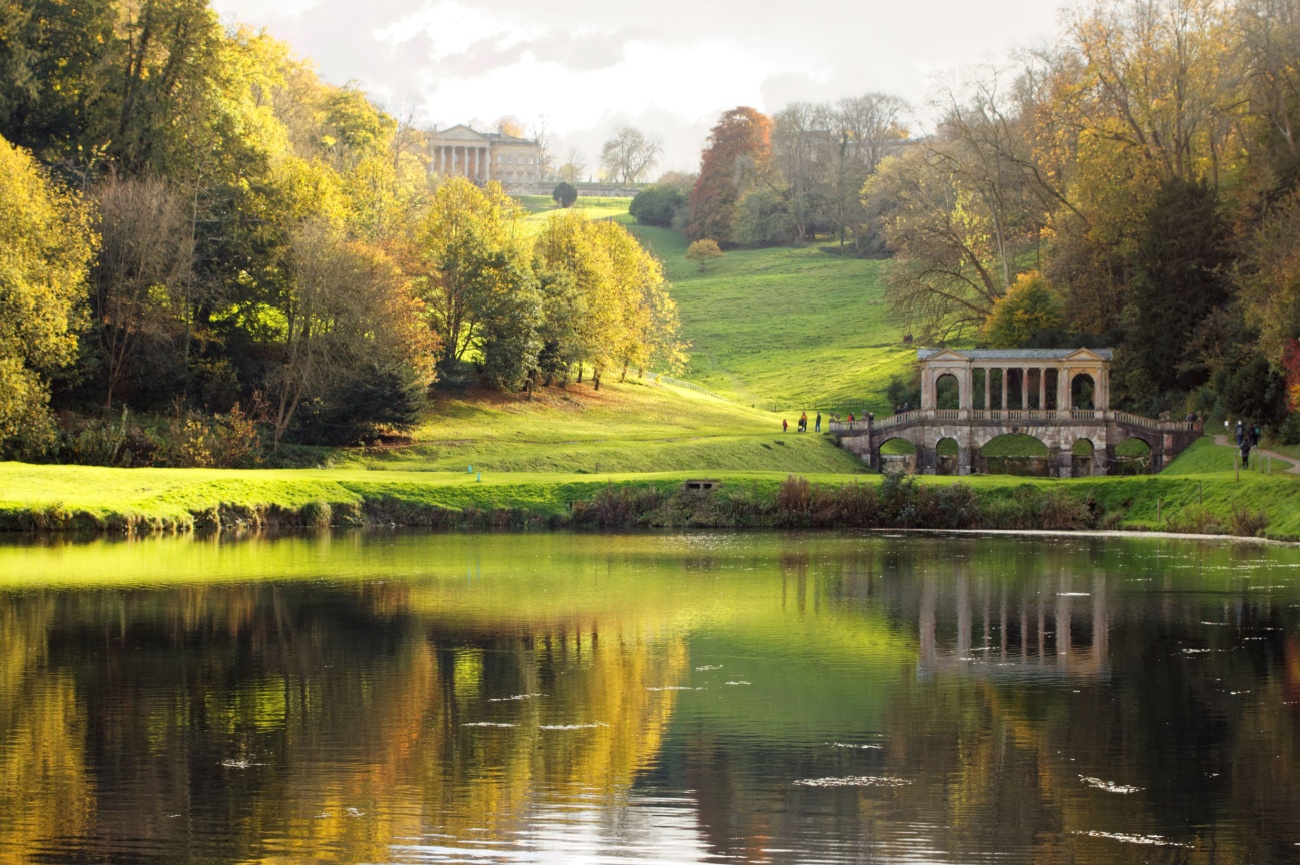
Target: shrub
column 657, row 205
column 703, row 251
column 565, row 194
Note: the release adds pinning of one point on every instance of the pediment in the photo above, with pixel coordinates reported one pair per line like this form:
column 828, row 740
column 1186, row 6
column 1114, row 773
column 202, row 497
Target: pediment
column 946, row 355
column 1086, row 355
column 460, row 133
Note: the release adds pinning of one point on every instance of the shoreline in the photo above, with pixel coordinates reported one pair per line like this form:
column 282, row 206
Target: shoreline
column 37, row 499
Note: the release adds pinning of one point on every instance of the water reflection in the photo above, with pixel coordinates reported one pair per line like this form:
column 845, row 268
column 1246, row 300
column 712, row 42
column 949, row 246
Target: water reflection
column 699, row 697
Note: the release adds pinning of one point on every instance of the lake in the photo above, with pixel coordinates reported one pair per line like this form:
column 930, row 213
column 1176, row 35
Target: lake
column 654, row 697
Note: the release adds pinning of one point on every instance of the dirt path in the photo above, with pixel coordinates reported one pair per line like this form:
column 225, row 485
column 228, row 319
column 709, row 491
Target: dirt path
column 1293, row 470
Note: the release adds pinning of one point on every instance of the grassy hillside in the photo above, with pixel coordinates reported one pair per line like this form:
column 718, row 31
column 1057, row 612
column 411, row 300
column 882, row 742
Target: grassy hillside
column 628, row 427
column 782, row 329
column 785, row 329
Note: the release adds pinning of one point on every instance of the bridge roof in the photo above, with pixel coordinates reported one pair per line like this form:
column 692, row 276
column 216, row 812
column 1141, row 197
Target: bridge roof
column 1016, row 353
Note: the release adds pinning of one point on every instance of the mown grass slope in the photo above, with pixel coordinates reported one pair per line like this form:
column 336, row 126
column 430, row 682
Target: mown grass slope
column 623, row 427
column 785, row 329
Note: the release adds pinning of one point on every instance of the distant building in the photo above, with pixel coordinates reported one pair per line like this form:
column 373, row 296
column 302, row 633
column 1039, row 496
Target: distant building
column 483, row 156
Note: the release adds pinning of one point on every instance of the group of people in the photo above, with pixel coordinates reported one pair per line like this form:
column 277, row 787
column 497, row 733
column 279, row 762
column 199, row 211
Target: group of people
column 1247, row 439
column 802, row 423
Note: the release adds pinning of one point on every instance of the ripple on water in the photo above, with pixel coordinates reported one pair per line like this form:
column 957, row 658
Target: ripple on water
column 1108, row 786
column 1148, row 840
column 854, row 781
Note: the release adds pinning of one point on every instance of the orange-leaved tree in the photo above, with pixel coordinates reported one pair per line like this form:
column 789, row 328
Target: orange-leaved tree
column 736, row 157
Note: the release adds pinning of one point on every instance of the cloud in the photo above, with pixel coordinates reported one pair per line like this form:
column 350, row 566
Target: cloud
column 588, row 65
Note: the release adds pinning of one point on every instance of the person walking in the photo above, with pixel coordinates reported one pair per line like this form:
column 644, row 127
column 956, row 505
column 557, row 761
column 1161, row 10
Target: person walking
column 818, row 424
column 785, row 425
column 803, row 422
column 1255, row 433
column 1245, row 453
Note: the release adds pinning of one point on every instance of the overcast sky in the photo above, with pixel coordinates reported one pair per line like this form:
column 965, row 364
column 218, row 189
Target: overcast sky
column 667, row 66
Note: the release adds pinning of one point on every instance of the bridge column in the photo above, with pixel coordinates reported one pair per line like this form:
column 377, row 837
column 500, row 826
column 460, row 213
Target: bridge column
column 1060, row 462
column 966, row 459
column 927, row 460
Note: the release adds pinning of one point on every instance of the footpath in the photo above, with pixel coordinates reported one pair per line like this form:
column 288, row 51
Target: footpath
column 1294, row 469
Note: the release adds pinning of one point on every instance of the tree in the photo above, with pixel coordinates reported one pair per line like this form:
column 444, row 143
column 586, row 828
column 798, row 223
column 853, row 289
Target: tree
column 946, row 274
column 348, row 307
column 46, row 243
column 1180, row 279
column 629, row 155
column 1027, row 310
column 144, row 263
column 657, row 205
column 734, row 161
column 565, row 194
column 801, row 141
column 472, row 255
column 702, row 252
column 574, row 168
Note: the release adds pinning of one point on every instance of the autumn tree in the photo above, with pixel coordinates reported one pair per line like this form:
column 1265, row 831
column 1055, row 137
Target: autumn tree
column 629, row 155
column 735, row 158
column 1027, row 311
column 702, row 252
column 141, row 272
column 47, row 244
column 348, row 308
column 473, row 255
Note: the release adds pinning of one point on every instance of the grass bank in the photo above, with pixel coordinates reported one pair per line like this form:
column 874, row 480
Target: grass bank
column 1197, row 496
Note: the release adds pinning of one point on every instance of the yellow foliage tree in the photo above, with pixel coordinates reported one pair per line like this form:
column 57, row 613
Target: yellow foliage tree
column 46, row 243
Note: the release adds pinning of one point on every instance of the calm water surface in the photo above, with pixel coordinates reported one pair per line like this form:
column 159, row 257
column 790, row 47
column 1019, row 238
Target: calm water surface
column 656, row 697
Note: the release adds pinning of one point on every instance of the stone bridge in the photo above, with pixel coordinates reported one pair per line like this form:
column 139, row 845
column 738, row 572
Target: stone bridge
column 1058, row 430
column 1058, row 396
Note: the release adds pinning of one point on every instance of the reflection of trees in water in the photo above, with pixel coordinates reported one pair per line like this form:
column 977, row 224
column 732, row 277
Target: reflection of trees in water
column 339, row 718
column 45, row 789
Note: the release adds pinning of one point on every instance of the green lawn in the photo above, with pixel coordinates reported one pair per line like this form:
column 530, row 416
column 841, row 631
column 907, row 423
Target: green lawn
column 785, row 329
column 623, row 427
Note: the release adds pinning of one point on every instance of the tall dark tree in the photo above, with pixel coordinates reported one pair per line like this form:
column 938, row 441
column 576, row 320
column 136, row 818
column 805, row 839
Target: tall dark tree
column 1180, row 279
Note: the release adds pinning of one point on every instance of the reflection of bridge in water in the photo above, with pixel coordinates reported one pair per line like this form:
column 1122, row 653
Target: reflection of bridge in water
column 1055, row 633
column 1063, row 397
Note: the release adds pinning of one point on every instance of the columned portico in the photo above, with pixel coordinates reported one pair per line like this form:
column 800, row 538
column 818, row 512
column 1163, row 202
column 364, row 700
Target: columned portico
column 1063, row 365
column 1059, row 420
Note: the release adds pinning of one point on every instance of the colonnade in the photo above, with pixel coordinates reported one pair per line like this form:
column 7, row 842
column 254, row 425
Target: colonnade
column 464, row 160
column 1064, row 377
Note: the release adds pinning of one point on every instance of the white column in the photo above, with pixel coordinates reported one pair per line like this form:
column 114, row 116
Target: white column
column 488, row 173
column 1063, row 398
column 988, row 388
column 1006, row 403
column 1042, row 388
column 1024, row 388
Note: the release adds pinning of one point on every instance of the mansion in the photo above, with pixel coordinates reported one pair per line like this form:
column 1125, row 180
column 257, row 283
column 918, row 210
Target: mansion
column 484, row 156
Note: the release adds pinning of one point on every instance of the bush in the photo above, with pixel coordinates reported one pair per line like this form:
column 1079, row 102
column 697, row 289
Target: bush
column 376, row 400
column 565, row 194
column 657, row 205
column 703, row 251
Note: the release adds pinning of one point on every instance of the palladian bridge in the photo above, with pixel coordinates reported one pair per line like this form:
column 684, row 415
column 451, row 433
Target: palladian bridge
column 1058, row 396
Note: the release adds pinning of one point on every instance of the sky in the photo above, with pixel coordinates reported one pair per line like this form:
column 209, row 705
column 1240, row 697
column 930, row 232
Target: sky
column 668, row 67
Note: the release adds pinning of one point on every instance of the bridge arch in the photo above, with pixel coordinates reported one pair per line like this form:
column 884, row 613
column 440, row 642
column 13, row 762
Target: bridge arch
column 947, row 456
column 1133, row 455
column 898, row 451
column 1083, row 391
column 1014, row 454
